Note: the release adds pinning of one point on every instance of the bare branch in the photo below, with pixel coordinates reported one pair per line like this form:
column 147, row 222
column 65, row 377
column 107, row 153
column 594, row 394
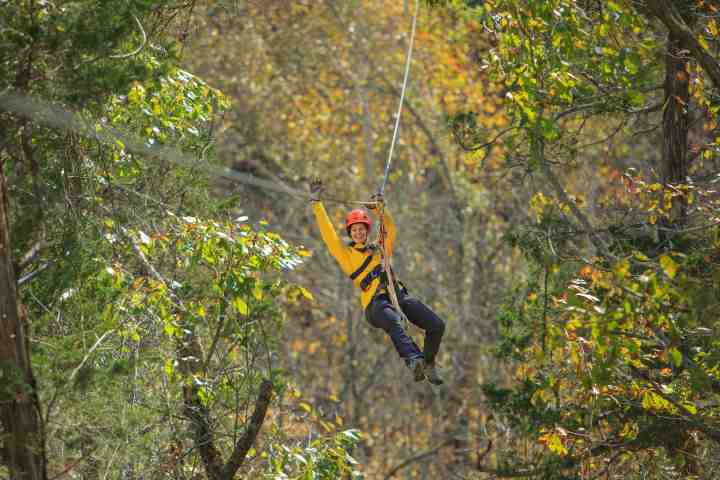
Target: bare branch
column 418, row 457
column 31, row 255
column 26, row 278
column 88, row 354
column 140, row 48
column 565, row 198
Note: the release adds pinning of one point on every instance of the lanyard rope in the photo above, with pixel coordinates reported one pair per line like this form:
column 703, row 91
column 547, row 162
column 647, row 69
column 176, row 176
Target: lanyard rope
column 387, row 267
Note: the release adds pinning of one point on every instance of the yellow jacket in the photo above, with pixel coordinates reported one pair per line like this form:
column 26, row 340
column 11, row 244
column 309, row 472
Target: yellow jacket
column 351, row 257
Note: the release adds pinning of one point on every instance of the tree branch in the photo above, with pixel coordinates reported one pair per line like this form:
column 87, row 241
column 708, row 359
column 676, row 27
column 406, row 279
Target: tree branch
column 26, row 278
column 248, row 439
column 137, row 50
column 30, row 255
column 666, row 12
column 417, row 457
column 565, row 198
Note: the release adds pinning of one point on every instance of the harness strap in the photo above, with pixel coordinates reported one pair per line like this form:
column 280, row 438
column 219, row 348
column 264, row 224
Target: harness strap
column 372, row 247
column 372, row 275
column 362, row 267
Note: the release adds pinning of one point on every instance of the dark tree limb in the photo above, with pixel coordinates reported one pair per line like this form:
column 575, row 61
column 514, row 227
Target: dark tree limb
column 668, row 14
column 248, row 439
column 24, row 436
column 190, row 355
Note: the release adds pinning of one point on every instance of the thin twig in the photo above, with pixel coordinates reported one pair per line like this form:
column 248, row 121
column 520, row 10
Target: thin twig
column 70, row 467
column 137, row 50
column 87, row 355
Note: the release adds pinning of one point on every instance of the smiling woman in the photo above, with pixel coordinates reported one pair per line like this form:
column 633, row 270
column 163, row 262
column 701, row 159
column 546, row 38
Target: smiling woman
column 362, row 261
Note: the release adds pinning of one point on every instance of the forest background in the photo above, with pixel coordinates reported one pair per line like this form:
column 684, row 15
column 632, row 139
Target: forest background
column 168, row 310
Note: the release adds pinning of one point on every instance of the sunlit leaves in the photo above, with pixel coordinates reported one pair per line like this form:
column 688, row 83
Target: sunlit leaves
column 240, row 306
column 322, row 459
column 553, row 441
column 178, row 109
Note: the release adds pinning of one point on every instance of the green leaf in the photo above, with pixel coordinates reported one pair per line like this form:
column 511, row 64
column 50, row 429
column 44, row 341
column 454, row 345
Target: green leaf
column 169, row 368
column 676, row 356
column 550, row 130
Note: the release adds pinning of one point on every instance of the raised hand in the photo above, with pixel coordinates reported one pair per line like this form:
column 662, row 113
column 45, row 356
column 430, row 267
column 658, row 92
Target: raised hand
column 316, row 188
column 378, row 200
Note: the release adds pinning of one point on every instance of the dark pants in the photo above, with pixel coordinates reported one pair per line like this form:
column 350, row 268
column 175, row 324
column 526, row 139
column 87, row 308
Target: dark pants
column 381, row 314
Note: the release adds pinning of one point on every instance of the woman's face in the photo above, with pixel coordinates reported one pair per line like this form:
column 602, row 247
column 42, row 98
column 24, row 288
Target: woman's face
column 358, row 232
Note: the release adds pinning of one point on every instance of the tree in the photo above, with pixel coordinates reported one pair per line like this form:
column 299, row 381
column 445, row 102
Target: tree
column 43, row 40
column 613, row 378
column 147, row 300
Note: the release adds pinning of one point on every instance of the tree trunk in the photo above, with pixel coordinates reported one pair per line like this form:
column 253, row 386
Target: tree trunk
column 674, row 168
column 189, row 356
column 23, row 442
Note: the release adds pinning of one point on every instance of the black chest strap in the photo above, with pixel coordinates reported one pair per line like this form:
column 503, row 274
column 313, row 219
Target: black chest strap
column 362, row 267
column 372, row 275
column 372, row 248
column 376, row 272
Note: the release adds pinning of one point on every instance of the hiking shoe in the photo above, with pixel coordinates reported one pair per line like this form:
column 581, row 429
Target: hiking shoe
column 432, row 374
column 417, row 367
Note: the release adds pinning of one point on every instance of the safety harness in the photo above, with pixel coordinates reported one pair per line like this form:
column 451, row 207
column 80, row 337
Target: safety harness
column 372, row 274
column 377, row 272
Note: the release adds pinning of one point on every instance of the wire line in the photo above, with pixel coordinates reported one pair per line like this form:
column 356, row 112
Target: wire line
column 402, row 98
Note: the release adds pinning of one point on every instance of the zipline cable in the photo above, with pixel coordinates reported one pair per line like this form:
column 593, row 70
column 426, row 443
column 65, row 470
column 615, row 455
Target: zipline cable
column 408, row 59
column 56, row 116
column 386, row 261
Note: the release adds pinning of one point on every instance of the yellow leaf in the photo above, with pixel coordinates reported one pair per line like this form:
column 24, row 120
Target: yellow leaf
column 240, row 306
column 668, row 265
column 136, row 94
column 703, row 42
column 713, row 28
column 622, row 268
column 257, row 292
column 306, row 293
column 138, row 283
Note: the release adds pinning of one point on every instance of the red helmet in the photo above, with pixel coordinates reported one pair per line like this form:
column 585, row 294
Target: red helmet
column 357, row 216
